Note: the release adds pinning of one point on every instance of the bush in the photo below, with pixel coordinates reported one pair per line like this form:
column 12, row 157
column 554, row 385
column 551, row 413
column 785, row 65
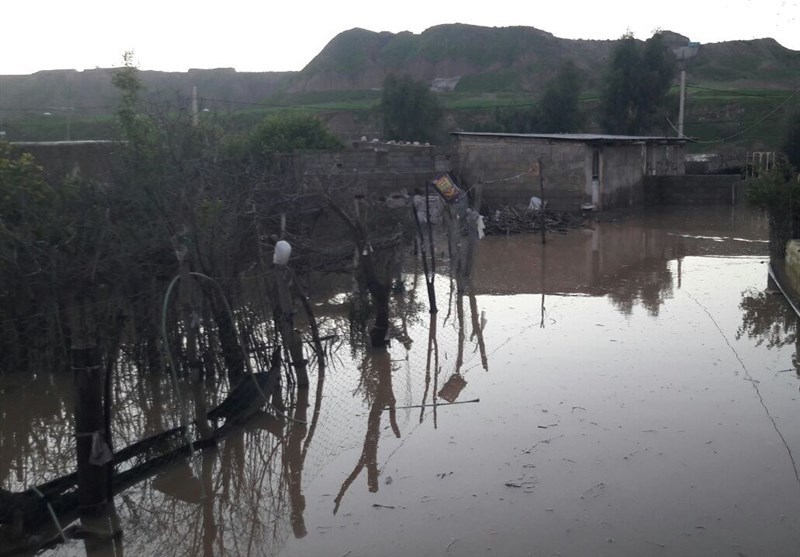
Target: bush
column 288, row 132
column 778, row 191
column 791, row 141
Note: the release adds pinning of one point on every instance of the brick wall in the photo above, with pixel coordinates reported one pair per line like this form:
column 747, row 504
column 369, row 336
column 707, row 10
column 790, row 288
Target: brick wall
column 377, row 168
column 502, row 164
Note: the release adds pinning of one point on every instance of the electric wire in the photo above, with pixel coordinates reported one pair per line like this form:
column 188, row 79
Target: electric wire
column 753, row 383
column 747, row 129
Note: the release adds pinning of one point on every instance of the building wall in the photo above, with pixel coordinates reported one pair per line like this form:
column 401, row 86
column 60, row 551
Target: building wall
column 665, row 160
column 503, row 166
column 376, row 168
column 623, row 168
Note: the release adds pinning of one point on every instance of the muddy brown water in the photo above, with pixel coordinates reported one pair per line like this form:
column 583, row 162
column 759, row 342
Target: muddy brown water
column 628, row 389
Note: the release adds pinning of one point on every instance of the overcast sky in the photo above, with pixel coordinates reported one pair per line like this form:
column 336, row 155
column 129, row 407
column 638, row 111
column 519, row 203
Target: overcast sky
column 173, row 35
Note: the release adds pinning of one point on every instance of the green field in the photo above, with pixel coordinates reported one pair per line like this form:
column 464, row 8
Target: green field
column 716, row 119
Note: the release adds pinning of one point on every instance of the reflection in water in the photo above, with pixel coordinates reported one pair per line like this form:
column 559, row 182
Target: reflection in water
column 376, row 384
column 767, row 319
column 628, row 261
column 293, row 458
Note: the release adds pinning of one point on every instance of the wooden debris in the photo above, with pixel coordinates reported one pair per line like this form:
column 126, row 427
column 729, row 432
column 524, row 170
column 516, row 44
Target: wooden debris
column 515, row 220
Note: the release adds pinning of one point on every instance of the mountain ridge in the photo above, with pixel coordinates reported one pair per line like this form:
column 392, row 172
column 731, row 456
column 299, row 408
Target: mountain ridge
column 519, row 58
column 473, row 67
column 473, row 58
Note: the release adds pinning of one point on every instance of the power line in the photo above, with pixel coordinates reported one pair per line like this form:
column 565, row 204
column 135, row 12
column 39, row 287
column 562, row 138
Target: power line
column 747, row 129
column 737, row 92
column 73, row 108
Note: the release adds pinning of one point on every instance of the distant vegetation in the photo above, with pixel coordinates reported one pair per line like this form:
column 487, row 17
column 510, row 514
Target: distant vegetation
column 504, row 79
column 286, row 132
column 637, row 81
column 410, row 111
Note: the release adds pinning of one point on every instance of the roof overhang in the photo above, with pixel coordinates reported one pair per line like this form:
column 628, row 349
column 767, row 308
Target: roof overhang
column 601, row 139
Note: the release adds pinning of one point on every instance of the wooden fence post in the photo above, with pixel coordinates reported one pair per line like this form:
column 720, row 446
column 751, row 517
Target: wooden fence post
column 286, row 315
column 93, row 454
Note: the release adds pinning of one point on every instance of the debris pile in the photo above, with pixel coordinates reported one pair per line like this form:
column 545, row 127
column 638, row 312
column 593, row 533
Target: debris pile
column 515, row 220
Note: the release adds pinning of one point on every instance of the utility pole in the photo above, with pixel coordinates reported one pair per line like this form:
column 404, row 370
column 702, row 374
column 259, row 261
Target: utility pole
column 194, row 106
column 682, row 102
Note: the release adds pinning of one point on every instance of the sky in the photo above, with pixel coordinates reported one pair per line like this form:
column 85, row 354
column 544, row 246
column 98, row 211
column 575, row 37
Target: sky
column 257, row 36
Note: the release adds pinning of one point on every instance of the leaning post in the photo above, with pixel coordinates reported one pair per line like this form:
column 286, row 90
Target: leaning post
column 290, row 337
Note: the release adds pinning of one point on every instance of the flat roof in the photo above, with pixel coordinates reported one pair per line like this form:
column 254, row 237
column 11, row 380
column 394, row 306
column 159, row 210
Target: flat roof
column 65, row 142
column 583, row 137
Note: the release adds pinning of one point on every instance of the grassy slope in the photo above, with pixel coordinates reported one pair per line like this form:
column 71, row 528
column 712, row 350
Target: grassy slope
column 734, row 85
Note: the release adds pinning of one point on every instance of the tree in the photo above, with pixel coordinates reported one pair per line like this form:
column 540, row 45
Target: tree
column 658, row 71
column 513, row 119
column 410, row 110
column 559, row 110
column 290, row 131
column 637, row 82
column 778, row 192
column 791, row 140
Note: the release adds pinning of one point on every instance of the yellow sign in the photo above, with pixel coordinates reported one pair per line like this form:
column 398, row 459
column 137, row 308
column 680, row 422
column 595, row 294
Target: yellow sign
column 446, row 187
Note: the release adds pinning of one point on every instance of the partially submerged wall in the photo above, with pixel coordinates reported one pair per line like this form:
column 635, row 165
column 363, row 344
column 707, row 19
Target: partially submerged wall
column 721, row 189
column 579, row 170
column 621, row 175
column 503, row 165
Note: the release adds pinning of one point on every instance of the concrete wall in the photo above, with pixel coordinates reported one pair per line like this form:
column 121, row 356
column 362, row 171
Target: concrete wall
column 377, row 168
column 722, row 189
column 502, row 165
column 792, row 264
column 622, row 170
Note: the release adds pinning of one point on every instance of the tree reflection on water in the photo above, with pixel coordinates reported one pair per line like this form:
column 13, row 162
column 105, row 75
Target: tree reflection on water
column 767, row 319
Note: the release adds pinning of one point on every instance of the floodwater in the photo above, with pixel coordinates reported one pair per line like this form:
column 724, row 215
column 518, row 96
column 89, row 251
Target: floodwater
column 628, row 389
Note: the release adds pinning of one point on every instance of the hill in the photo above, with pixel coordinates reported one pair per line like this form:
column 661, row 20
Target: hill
column 471, row 58
column 493, row 59
column 54, row 96
column 475, row 69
